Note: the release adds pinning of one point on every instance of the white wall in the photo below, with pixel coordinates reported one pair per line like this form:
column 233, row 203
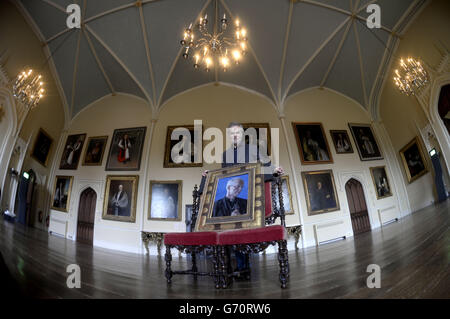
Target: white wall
column 404, row 117
column 216, row 106
column 335, row 111
column 100, row 119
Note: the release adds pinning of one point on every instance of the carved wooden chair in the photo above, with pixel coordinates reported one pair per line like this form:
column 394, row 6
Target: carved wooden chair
column 243, row 240
column 256, row 240
column 192, row 243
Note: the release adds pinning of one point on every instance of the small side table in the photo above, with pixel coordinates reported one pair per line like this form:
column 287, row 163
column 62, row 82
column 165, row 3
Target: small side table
column 295, row 231
column 154, row 237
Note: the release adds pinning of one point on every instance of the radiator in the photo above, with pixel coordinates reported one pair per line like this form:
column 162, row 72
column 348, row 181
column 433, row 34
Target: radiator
column 329, row 231
column 388, row 214
column 58, row 227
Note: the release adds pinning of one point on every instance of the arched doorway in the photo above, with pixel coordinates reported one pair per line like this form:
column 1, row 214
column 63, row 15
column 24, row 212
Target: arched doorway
column 358, row 207
column 86, row 216
column 24, row 197
column 444, row 106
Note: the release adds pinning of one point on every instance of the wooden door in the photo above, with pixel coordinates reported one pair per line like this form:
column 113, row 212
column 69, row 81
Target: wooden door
column 86, row 216
column 358, row 208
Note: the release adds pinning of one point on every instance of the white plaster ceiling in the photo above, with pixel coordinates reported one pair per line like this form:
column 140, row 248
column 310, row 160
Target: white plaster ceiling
column 294, row 45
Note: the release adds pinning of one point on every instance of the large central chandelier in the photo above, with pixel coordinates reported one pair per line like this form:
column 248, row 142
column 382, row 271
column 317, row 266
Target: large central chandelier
column 218, row 46
column 28, row 88
column 411, row 77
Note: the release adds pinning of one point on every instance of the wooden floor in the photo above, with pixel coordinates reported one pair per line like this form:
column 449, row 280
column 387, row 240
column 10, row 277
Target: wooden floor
column 413, row 253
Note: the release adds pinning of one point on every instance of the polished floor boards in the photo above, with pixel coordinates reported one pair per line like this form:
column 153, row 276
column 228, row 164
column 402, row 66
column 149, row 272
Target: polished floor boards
column 413, row 253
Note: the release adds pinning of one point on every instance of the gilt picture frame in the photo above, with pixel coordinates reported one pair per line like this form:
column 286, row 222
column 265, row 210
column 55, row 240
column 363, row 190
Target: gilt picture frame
column 165, row 200
column 381, row 182
column 413, row 160
column 42, row 147
column 120, row 198
column 62, row 190
column 312, row 143
column 173, row 154
column 320, row 192
column 233, row 199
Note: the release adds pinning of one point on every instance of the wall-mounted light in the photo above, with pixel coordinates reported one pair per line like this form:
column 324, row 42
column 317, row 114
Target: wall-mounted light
column 26, row 175
column 433, row 152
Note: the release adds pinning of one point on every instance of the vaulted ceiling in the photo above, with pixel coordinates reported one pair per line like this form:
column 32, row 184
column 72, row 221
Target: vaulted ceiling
column 133, row 47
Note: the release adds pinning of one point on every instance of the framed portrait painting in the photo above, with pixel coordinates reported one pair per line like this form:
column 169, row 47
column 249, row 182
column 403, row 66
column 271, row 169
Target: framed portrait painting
column 165, row 200
column 188, row 217
column 126, row 149
column 233, row 199
column 94, row 151
column 287, row 196
column 61, row 193
column 341, row 142
column 41, row 148
column 381, row 182
column 366, row 142
column 413, row 160
column 320, row 192
column 181, row 149
column 312, row 143
column 263, row 138
column 120, row 198
column 72, row 151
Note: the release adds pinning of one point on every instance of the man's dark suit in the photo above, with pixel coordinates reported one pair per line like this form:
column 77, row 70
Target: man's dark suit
column 224, row 206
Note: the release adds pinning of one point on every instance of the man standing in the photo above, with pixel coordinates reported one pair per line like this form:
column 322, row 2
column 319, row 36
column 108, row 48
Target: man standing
column 231, row 204
column 242, row 153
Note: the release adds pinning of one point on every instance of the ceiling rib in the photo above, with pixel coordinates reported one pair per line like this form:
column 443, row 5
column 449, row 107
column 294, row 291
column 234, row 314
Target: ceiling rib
column 363, row 82
column 122, row 7
column 57, row 6
column 177, row 57
column 355, row 6
column 147, row 51
column 111, row 52
column 381, row 27
column 365, row 5
column 323, row 5
column 261, row 69
column 286, row 40
column 381, row 68
column 338, row 51
column 75, row 68
column 412, row 7
column 315, row 54
column 99, row 63
column 113, row 10
column 57, row 35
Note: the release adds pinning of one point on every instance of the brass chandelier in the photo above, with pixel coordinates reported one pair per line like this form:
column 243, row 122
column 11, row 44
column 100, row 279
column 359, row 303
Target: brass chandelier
column 219, row 46
column 410, row 77
column 28, row 88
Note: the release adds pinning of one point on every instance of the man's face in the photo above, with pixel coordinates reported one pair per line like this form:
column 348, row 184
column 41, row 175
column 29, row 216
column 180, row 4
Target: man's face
column 236, row 134
column 234, row 189
column 120, row 188
column 319, row 185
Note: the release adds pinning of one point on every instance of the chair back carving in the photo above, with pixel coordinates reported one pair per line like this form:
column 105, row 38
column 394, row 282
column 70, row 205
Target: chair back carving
column 277, row 211
column 195, row 207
